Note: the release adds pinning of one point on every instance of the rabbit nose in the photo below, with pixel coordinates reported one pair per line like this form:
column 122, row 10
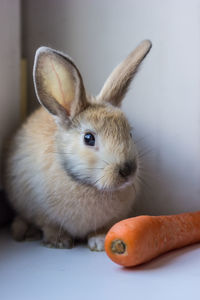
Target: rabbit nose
column 128, row 168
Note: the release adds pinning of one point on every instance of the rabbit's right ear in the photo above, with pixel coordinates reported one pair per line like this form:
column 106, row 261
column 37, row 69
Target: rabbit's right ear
column 58, row 83
column 118, row 82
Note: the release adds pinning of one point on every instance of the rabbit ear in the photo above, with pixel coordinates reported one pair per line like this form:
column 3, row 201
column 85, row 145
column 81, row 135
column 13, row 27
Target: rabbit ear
column 118, row 82
column 58, row 83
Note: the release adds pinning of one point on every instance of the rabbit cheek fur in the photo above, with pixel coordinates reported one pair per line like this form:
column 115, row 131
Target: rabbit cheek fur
column 53, row 179
column 98, row 166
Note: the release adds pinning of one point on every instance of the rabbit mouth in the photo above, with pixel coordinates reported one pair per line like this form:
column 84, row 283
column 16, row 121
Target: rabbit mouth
column 117, row 177
column 118, row 184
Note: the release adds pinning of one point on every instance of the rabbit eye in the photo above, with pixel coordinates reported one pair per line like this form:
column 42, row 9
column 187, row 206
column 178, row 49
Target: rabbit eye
column 89, row 139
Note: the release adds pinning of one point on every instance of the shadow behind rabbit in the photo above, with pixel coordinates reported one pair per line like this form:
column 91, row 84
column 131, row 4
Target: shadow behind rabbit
column 72, row 168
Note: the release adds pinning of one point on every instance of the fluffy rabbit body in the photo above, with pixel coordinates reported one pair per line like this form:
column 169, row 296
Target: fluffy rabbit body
column 72, row 168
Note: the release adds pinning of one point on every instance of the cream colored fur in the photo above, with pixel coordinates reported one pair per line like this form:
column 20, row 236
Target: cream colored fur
column 54, row 181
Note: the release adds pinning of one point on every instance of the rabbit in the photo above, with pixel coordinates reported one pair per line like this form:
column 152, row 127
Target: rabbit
column 72, row 168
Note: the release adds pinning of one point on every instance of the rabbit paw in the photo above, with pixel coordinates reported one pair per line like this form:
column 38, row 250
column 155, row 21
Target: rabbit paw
column 56, row 238
column 96, row 242
column 22, row 231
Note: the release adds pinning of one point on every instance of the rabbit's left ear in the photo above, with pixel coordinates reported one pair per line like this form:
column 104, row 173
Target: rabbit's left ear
column 118, row 82
column 58, row 83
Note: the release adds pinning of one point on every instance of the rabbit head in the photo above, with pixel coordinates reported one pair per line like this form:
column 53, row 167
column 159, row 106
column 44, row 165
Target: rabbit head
column 93, row 143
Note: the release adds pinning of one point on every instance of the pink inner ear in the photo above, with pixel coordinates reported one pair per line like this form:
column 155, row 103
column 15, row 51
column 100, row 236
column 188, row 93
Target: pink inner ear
column 59, row 84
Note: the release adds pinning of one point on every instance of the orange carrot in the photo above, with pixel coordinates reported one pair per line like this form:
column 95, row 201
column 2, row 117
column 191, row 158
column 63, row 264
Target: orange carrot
column 137, row 240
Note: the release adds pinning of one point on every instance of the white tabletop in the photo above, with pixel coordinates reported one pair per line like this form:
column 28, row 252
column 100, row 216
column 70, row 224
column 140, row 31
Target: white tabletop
column 29, row 271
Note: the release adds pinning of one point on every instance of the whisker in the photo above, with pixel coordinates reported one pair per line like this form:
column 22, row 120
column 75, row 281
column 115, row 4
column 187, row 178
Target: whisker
column 58, row 152
column 142, row 154
column 143, row 170
column 105, row 162
column 143, row 182
column 94, row 168
column 134, row 188
column 139, row 140
column 98, row 180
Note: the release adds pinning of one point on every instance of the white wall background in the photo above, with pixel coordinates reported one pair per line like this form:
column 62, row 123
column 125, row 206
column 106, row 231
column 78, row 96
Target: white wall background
column 164, row 103
column 9, row 68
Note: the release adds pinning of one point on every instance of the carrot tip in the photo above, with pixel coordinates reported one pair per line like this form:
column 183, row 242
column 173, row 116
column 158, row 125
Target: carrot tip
column 118, row 246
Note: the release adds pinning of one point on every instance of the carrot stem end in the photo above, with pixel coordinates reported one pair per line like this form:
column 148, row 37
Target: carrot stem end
column 118, row 247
